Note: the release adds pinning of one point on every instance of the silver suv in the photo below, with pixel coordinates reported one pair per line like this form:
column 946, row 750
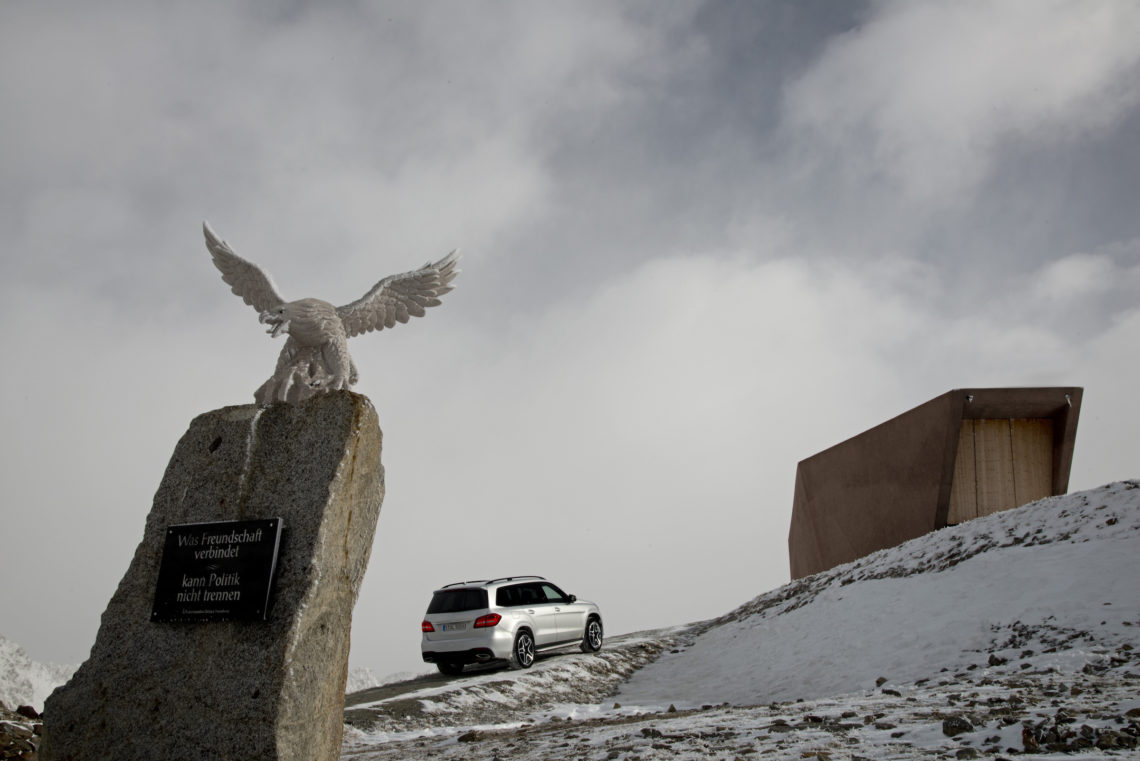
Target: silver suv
column 508, row 619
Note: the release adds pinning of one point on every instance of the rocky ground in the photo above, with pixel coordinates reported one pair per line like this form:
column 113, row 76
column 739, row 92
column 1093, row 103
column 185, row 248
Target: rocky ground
column 498, row 695
column 1000, row 707
column 1015, row 635
column 19, row 733
column 995, row 710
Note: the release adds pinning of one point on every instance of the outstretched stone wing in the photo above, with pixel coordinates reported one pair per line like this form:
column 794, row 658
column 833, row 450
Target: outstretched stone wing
column 400, row 297
column 245, row 278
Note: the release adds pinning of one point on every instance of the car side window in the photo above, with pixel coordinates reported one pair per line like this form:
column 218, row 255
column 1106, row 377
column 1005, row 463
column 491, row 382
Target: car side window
column 552, row 593
column 509, row 597
column 529, row 594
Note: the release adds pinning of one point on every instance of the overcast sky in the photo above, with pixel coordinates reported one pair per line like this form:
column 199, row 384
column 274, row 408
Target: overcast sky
column 701, row 242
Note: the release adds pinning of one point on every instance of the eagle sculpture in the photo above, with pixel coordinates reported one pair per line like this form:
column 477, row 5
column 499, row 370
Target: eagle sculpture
column 315, row 356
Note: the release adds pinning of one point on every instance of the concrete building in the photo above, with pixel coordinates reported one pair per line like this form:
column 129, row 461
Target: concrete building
column 967, row 453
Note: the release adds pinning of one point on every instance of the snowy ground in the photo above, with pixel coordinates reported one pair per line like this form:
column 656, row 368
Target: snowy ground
column 1013, row 634
column 1017, row 634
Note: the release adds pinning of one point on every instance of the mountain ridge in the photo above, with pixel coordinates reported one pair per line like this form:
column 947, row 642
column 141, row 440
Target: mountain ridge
column 24, row 681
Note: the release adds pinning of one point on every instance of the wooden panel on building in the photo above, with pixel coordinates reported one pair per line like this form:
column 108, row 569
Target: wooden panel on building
column 993, row 459
column 1032, row 441
column 964, row 490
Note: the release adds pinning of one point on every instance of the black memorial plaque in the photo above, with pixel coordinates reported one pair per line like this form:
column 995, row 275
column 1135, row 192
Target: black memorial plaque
column 217, row 571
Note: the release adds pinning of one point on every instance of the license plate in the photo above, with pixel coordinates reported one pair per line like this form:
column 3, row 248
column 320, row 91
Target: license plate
column 452, row 627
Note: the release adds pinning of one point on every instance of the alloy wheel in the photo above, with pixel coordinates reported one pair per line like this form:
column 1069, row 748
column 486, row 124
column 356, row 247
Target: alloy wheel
column 524, row 649
column 594, row 634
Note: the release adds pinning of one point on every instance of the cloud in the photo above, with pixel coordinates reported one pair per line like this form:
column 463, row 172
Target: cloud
column 700, row 243
column 658, row 418
column 1109, row 276
column 1110, row 366
column 926, row 93
column 644, row 436
column 1079, row 276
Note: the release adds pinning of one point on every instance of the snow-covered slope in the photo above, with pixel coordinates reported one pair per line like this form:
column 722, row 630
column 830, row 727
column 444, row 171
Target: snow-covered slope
column 27, row 682
column 1016, row 633
column 360, row 678
column 1051, row 585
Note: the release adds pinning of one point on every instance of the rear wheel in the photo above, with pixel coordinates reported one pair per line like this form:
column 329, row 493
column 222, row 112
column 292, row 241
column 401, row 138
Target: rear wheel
column 522, row 653
column 592, row 638
column 449, row 668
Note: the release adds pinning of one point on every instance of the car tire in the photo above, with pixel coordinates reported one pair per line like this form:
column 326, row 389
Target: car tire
column 522, row 652
column 449, row 668
column 592, row 636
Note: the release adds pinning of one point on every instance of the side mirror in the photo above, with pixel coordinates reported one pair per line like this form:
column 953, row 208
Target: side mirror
column 572, row 598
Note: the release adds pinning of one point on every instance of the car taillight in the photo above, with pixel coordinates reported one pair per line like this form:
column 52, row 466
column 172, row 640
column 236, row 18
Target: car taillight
column 426, row 626
column 487, row 621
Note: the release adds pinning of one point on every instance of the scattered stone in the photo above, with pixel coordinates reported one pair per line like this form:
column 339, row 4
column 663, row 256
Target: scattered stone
column 1109, row 740
column 1029, row 740
column 28, row 712
column 956, row 725
column 469, row 737
column 19, row 736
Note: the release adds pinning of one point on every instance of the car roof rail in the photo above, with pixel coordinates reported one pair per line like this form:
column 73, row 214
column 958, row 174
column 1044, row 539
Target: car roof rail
column 515, row 578
column 465, row 583
column 490, row 581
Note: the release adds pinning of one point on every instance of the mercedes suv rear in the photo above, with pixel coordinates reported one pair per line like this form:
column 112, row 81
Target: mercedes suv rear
column 508, row 619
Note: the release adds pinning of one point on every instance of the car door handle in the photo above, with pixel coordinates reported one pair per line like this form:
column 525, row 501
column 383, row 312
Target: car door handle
column 531, row 611
column 558, row 610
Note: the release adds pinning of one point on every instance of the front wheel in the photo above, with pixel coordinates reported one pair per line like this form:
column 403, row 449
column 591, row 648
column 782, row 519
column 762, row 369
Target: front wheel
column 522, row 654
column 592, row 638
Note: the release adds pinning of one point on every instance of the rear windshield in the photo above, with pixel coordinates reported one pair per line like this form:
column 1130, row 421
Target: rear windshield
column 457, row 600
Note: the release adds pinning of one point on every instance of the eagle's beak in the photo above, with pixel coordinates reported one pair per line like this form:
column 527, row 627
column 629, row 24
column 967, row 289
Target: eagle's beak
column 279, row 324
